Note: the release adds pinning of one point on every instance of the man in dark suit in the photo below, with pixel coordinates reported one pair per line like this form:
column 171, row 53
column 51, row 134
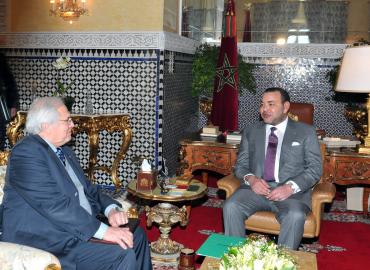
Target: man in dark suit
column 49, row 203
column 278, row 163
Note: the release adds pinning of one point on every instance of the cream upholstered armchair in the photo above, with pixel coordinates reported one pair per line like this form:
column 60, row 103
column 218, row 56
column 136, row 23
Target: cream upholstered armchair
column 265, row 222
column 20, row 257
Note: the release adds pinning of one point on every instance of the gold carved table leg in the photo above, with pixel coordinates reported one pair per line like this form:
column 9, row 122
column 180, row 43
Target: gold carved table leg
column 93, row 135
column 166, row 215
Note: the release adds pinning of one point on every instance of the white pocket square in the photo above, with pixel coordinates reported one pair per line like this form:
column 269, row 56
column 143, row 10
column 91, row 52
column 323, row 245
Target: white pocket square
column 295, row 143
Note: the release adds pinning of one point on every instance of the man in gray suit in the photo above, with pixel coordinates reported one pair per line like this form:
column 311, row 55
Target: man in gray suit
column 279, row 162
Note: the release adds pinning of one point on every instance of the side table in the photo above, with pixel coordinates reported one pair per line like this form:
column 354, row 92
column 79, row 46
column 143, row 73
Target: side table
column 349, row 168
column 205, row 155
column 166, row 214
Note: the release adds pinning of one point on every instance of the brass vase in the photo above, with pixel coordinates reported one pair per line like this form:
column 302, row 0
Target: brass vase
column 357, row 116
column 205, row 106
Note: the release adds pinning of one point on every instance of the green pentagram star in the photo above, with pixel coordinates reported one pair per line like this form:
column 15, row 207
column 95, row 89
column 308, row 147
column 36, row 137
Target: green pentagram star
column 226, row 73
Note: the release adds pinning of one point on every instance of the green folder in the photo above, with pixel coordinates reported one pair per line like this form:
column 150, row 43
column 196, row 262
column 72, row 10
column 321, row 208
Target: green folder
column 217, row 244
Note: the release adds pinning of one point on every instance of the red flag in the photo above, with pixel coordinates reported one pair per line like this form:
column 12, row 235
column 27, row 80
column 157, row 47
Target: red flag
column 225, row 96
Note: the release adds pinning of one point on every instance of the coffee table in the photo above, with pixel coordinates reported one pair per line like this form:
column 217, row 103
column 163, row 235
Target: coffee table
column 305, row 261
column 165, row 214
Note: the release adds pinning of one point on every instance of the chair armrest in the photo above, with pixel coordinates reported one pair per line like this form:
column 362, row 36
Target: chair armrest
column 323, row 192
column 13, row 256
column 228, row 183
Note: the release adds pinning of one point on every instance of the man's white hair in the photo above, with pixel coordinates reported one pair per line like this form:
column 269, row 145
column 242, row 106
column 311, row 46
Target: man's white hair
column 43, row 111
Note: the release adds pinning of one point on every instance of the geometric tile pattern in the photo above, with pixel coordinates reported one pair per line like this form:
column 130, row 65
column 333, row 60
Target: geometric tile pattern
column 119, row 82
column 180, row 111
column 305, row 80
column 305, row 83
column 162, row 111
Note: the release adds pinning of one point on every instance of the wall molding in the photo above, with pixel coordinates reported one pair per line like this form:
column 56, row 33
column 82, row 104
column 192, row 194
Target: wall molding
column 159, row 40
column 99, row 40
column 268, row 50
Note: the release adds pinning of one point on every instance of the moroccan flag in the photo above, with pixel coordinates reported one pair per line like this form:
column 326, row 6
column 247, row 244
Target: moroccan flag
column 225, row 95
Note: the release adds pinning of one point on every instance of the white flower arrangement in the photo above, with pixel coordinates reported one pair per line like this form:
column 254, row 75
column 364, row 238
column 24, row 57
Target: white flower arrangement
column 61, row 89
column 62, row 63
column 257, row 253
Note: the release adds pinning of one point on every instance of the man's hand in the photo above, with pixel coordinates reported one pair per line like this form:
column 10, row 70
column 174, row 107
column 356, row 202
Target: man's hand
column 280, row 193
column 117, row 218
column 121, row 236
column 258, row 185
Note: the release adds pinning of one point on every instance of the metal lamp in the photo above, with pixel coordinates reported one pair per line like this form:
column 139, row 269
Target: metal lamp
column 354, row 77
column 69, row 10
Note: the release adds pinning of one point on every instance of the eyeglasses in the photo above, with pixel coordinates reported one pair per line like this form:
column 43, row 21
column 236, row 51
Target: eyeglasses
column 68, row 120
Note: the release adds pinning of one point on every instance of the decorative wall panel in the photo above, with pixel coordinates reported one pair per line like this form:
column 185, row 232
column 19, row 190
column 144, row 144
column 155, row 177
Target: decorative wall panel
column 301, row 70
column 125, row 74
column 180, row 111
column 305, row 83
column 149, row 77
column 125, row 81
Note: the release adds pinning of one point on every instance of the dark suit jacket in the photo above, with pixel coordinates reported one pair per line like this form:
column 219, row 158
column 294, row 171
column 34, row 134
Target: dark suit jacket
column 41, row 205
column 300, row 158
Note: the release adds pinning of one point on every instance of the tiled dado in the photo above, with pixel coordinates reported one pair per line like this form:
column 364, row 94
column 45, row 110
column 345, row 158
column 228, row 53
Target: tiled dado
column 124, row 73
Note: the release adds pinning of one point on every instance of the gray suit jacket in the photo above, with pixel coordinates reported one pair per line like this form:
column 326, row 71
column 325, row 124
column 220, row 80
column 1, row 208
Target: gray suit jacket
column 300, row 158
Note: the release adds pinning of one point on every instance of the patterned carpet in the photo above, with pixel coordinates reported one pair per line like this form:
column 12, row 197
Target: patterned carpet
column 342, row 232
column 338, row 212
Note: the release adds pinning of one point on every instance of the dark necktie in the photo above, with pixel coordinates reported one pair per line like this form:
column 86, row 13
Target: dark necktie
column 61, row 155
column 269, row 166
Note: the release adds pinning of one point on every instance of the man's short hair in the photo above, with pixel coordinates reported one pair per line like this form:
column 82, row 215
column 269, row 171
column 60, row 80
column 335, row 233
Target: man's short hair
column 42, row 111
column 284, row 94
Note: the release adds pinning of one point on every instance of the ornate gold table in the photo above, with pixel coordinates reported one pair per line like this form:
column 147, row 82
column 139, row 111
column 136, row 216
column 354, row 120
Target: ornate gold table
column 92, row 125
column 166, row 214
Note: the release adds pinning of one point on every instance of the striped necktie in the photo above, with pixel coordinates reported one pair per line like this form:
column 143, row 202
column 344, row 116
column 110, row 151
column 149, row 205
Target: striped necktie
column 61, row 155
